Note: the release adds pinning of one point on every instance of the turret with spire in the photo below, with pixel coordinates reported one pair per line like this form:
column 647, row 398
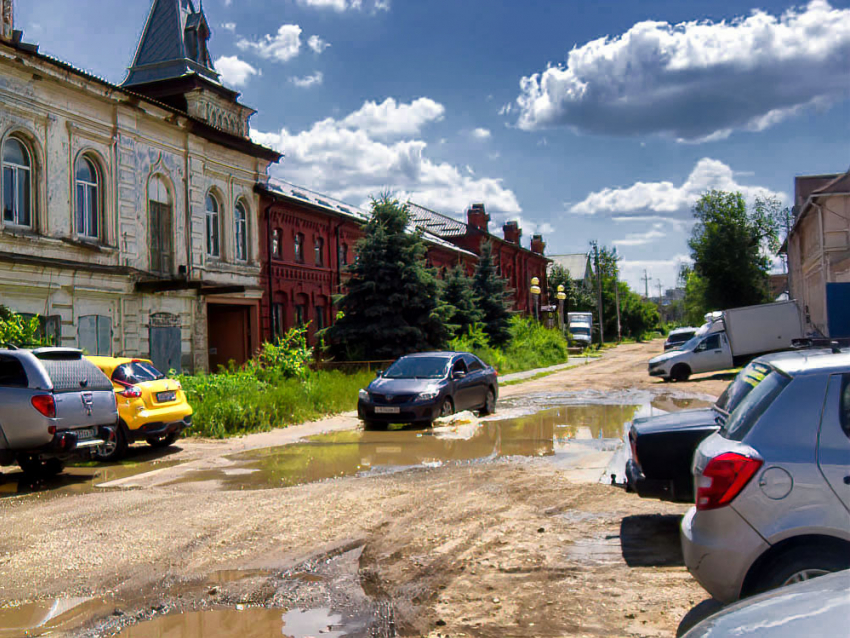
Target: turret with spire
column 173, row 65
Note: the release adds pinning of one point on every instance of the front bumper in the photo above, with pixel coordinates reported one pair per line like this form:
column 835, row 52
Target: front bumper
column 719, row 548
column 659, row 371
column 159, row 429
column 413, row 412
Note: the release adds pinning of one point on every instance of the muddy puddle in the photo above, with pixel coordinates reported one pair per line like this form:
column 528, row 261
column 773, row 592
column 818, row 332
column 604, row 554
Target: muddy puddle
column 565, row 433
column 50, row 617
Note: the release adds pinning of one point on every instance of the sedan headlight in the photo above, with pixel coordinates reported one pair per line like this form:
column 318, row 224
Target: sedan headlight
column 363, row 395
column 428, row 395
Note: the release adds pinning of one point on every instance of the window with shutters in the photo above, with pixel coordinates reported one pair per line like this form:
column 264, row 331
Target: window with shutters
column 94, row 334
column 160, row 224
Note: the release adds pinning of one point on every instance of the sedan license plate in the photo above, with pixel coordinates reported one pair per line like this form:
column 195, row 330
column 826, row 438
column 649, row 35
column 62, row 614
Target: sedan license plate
column 86, row 433
column 386, row 410
column 164, row 397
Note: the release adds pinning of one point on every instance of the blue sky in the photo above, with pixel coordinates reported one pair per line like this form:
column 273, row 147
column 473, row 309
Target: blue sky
column 585, row 120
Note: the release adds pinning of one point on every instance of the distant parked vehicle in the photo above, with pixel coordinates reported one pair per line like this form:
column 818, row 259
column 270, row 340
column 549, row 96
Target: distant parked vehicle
column 55, row 407
column 662, row 447
column 678, row 337
column 151, row 407
column 732, row 338
column 773, row 485
column 422, row 387
column 580, row 327
column 819, row 607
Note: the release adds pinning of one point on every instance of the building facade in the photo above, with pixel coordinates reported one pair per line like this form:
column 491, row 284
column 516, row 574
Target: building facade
column 818, row 250
column 129, row 212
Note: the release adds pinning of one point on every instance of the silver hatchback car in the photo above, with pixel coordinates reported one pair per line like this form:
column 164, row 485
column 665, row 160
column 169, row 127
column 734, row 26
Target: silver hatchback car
column 773, row 485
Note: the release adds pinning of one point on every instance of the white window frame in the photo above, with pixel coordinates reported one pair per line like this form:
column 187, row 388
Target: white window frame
column 241, row 228
column 16, row 170
column 91, row 214
column 213, row 223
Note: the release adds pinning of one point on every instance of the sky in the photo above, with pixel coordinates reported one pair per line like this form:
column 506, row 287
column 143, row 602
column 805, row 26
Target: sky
column 583, row 120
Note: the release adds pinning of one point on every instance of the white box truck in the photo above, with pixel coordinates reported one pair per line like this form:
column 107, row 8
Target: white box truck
column 731, row 338
column 580, row 327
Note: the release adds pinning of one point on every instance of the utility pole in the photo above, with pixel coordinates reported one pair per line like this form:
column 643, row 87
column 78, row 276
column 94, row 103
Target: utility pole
column 598, row 291
column 617, row 298
column 658, row 283
column 645, row 280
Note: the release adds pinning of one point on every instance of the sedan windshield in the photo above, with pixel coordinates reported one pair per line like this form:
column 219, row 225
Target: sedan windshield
column 580, row 331
column 418, row 368
column 136, row 372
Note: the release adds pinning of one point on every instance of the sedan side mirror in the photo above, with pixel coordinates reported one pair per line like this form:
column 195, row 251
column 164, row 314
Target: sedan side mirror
column 458, row 374
column 379, row 373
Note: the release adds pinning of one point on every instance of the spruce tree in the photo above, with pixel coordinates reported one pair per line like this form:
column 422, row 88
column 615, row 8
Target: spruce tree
column 392, row 305
column 462, row 310
column 491, row 297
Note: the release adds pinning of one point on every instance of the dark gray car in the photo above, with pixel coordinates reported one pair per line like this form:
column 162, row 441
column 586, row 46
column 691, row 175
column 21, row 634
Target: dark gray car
column 55, row 406
column 422, row 387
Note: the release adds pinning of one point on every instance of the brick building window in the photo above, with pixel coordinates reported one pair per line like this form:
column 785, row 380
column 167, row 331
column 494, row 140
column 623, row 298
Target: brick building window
column 275, row 247
column 299, row 248
column 320, row 317
column 278, row 325
column 319, row 250
column 343, row 254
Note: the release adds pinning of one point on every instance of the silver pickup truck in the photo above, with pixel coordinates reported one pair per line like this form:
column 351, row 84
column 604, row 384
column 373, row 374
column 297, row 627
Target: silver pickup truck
column 55, row 406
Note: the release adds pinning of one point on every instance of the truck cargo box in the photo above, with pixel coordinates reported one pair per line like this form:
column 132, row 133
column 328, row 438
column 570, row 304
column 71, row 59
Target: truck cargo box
column 763, row 328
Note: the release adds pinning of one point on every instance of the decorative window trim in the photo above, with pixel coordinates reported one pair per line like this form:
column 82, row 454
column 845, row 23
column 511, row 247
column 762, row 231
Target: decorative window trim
column 209, row 222
column 32, row 173
column 241, row 231
column 99, row 195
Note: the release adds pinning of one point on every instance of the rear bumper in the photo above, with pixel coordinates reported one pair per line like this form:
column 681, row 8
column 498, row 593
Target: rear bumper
column 159, row 429
column 407, row 412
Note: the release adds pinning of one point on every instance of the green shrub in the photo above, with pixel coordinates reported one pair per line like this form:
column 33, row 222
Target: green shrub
column 17, row 331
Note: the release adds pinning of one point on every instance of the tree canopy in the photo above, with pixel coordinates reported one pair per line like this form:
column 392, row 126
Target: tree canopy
column 462, row 310
column 492, row 297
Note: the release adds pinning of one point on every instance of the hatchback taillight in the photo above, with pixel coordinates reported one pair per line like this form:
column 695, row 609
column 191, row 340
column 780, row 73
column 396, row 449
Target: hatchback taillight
column 45, row 404
column 131, row 392
column 723, row 479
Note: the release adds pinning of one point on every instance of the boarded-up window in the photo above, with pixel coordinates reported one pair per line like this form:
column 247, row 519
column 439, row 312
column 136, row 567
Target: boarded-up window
column 94, row 334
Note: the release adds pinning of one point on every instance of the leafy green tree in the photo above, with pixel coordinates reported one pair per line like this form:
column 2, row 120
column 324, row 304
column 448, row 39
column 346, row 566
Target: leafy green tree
column 580, row 297
column 462, row 311
column 17, row 331
column 730, row 247
column 392, row 306
column 695, row 304
column 492, row 297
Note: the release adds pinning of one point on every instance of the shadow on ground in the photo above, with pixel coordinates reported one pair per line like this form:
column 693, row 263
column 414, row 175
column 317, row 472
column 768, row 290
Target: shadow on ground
column 651, row 540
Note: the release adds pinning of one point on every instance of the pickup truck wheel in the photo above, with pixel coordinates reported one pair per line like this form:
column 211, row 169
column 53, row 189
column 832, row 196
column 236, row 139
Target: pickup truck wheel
column 115, row 448
column 680, row 372
column 35, row 467
column 162, row 441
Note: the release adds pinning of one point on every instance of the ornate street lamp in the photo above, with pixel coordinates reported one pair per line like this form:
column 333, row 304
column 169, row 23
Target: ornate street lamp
column 535, row 292
column 561, row 297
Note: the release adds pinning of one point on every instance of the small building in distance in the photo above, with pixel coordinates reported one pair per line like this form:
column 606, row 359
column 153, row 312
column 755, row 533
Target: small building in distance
column 818, row 249
column 576, row 264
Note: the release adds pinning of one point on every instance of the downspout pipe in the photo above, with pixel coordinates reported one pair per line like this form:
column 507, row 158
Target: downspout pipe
column 268, row 253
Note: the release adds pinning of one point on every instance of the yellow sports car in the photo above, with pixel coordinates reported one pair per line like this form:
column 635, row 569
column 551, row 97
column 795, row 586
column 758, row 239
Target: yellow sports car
column 150, row 406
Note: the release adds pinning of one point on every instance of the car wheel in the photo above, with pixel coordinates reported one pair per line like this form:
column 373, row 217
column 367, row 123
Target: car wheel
column 800, row 565
column 680, row 372
column 448, row 408
column 489, row 403
column 34, row 467
column 162, row 441
column 115, row 448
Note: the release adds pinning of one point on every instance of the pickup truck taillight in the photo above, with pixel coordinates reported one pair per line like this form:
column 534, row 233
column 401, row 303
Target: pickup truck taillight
column 723, row 479
column 45, row 404
column 131, row 392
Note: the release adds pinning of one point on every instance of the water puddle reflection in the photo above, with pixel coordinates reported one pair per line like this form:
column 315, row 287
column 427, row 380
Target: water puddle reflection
column 50, row 617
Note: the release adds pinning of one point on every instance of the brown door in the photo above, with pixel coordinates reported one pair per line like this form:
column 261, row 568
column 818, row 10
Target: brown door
column 229, row 334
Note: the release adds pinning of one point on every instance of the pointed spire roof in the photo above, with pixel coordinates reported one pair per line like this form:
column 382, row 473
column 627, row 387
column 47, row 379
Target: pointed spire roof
column 173, row 44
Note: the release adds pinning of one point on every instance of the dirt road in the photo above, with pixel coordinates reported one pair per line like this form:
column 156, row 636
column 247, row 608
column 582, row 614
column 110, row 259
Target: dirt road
column 510, row 546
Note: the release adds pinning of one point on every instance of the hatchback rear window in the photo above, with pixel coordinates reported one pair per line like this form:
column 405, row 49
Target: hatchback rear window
column 744, row 417
column 747, row 379
column 136, row 372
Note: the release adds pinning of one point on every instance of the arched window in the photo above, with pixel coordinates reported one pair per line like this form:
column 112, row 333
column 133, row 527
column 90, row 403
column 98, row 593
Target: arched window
column 299, row 247
column 275, row 248
column 160, row 220
column 241, row 220
column 319, row 250
column 88, row 183
column 17, row 183
column 213, row 212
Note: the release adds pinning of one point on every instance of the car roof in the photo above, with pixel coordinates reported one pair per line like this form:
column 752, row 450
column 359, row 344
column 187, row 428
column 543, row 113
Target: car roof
column 809, row 361
column 113, row 362
column 441, row 354
column 676, row 331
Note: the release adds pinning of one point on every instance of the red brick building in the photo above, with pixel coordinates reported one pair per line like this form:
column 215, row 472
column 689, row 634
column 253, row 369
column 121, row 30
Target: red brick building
column 307, row 239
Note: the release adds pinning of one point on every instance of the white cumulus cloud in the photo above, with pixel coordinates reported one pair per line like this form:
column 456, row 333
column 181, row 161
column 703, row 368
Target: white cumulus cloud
column 480, row 134
column 353, row 158
column 233, row 71
column 696, row 81
column 307, row 81
column 229, row 26
column 341, row 6
column 317, row 44
column 639, row 239
column 665, row 199
column 280, row 47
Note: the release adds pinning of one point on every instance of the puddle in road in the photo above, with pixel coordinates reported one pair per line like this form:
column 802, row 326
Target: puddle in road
column 575, row 427
column 50, row 617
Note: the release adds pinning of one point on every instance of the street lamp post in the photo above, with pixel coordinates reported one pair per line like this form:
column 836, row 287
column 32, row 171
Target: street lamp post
column 535, row 295
column 561, row 296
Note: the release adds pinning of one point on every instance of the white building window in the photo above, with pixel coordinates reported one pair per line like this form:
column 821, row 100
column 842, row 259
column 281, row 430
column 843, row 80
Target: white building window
column 17, row 183
column 213, row 212
column 241, row 232
column 94, row 335
column 88, row 198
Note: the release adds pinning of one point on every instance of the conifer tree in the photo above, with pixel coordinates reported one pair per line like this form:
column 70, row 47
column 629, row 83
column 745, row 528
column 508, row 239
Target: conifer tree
column 462, row 310
column 392, row 306
column 491, row 297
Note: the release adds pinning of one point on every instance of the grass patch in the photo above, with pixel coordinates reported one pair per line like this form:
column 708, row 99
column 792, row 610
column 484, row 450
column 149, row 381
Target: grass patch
column 539, row 375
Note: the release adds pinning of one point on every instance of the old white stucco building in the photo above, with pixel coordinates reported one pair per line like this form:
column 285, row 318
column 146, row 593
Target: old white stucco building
column 129, row 214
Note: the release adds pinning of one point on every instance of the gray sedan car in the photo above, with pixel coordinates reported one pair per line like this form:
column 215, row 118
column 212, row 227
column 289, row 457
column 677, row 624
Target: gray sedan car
column 55, row 406
column 422, row 387
column 773, row 485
